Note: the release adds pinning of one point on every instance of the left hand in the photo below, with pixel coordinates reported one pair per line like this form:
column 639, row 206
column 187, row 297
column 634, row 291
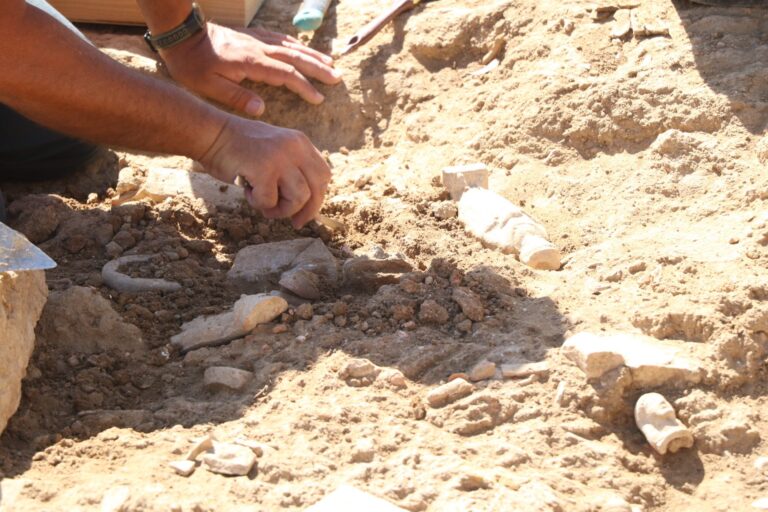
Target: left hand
column 214, row 64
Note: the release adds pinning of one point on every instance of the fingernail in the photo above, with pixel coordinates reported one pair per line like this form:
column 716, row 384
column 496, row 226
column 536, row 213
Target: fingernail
column 320, row 98
column 255, row 107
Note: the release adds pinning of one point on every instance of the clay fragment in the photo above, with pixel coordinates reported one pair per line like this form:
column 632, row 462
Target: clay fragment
column 656, row 418
column 230, row 459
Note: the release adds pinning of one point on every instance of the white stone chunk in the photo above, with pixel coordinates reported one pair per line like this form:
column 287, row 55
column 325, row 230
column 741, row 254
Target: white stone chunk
column 500, row 224
column 483, row 370
column 116, row 499
column 522, row 370
column 656, row 418
column 349, row 499
column 183, row 467
column 761, row 504
column 229, row 459
column 459, row 178
column 449, row 392
column 201, row 445
column 364, row 450
column 224, row 376
column 247, row 313
column 652, row 362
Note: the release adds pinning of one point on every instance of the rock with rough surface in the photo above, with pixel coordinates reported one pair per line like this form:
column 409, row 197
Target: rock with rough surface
column 500, row 224
column 79, row 319
column 247, row 313
column 226, row 377
column 482, row 371
column 470, row 303
column 433, row 313
column 229, row 459
column 449, row 392
column 651, row 362
column 183, row 467
column 522, row 370
column 22, row 297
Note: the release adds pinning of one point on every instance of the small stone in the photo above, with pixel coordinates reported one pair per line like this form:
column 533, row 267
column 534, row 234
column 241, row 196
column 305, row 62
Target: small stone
column 302, row 283
column 761, row 504
column 124, row 239
column 432, row 312
column 560, row 394
column 761, row 464
column 638, row 266
column 394, row 377
column 183, row 467
column 470, row 303
column 409, row 325
column 613, row 503
column 445, row 210
column 93, row 198
column 224, row 376
column 522, row 370
column 116, row 499
column 449, row 392
column 279, row 329
column 357, row 369
column 340, row 308
column 401, row 312
column 472, row 482
column 457, row 179
column 363, row 451
column 230, row 459
column 482, row 371
column 305, row 311
column 113, row 250
column 464, row 326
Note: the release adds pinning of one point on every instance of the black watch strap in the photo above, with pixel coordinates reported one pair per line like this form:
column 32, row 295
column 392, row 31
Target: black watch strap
column 194, row 23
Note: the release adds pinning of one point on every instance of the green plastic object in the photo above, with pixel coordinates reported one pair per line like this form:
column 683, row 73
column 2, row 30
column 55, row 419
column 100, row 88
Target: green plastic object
column 310, row 15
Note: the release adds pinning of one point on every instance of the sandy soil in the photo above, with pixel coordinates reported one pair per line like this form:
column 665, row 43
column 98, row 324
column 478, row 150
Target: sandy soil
column 642, row 155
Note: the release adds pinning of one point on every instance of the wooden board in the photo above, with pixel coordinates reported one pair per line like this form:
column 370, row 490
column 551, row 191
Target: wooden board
column 126, row 12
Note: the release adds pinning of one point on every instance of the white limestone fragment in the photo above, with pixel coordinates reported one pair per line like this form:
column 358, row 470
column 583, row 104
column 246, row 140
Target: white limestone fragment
column 225, row 376
column 483, row 370
column 500, row 224
column 394, row 377
column 116, row 499
column 522, row 370
column 656, row 418
column 449, row 392
column 22, row 297
column 349, row 499
column 651, row 362
column 247, row 313
column 183, row 467
column 761, row 504
column 229, row 459
column 357, row 369
column 761, row 464
column 459, row 178
column 161, row 183
column 364, row 450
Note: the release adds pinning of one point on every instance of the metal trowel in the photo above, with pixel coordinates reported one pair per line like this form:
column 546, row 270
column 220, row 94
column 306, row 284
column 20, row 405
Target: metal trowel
column 18, row 254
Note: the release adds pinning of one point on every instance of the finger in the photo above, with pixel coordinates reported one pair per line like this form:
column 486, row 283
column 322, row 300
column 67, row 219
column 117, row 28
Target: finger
column 278, row 73
column 306, row 64
column 277, row 39
column 265, row 196
column 317, row 174
column 234, row 96
column 294, row 194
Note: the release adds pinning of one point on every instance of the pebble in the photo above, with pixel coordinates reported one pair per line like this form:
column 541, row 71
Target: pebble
column 183, row 467
column 449, row 392
column 761, row 464
column 482, row 371
column 432, row 312
column 305, row 311
column 225, row 376
column 357, row 369
column 470, row 303
column 279, row 329
column 230, row 459
column 761, row 504
column 93, row 198
column 522, row 370
column 445, row 210
column 560, row 394
column 464, row 326
column 394, row 377
column 472, row 482
column 363, row 451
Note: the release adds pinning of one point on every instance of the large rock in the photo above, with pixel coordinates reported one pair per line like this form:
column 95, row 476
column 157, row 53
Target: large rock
column 79, row 319
column 651, row 362
column 22, row 297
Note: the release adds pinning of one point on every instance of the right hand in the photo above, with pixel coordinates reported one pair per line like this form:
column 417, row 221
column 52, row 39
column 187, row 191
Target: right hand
column 288, row 175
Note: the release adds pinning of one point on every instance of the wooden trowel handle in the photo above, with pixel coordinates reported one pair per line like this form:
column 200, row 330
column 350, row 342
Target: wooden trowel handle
column 366, row 33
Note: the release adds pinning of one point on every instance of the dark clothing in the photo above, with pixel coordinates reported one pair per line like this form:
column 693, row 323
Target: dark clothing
column 30, row 152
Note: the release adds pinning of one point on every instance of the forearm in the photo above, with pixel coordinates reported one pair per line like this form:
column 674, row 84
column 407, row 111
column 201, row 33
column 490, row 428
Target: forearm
column 54, row 78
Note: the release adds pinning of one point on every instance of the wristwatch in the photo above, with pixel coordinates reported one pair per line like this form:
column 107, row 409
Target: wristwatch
column 194, row 23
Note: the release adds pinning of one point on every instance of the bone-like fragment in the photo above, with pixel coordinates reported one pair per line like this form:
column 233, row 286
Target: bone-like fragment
column 500, row 224
column 126, row 284
column 656, row 418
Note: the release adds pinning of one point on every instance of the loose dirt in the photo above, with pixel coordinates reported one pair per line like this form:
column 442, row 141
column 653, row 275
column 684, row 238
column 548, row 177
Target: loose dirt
column 644, row 157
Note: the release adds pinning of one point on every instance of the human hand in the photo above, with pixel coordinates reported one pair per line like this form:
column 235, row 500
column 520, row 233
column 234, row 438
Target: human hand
column 216, row 65
column 286, row 174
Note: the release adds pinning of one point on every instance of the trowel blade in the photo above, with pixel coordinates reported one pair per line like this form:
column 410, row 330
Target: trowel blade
column 18, row 254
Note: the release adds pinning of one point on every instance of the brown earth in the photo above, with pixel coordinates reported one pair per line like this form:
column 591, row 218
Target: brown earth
column 642, row 155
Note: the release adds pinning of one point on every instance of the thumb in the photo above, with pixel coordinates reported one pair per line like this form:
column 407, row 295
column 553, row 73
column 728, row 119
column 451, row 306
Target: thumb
column 234, row 96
